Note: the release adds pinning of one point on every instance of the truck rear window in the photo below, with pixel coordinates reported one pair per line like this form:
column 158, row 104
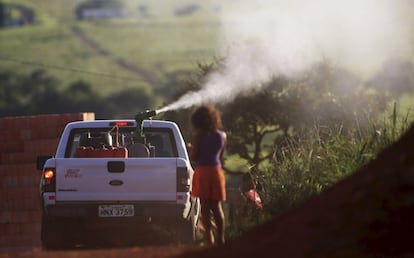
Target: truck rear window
column 123, row 143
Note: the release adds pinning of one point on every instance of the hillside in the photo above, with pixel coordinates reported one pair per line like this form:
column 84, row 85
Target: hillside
column 152, row 42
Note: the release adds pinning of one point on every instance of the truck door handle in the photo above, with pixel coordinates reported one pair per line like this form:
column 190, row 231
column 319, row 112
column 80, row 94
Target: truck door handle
column 116, row 166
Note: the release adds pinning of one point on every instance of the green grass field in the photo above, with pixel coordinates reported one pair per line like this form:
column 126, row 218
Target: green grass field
column 156, row 45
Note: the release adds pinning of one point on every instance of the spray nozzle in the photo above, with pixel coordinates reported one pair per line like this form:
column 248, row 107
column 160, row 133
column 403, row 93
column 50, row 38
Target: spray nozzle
column 140, row 118
column 144, row 115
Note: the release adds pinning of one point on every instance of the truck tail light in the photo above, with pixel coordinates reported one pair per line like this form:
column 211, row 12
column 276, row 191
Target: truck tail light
column 121, row 123
column 49, row 180
column 49, row 174
column 183, row 179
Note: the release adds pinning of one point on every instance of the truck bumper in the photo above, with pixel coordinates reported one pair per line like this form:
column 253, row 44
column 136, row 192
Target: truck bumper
column 91, row 210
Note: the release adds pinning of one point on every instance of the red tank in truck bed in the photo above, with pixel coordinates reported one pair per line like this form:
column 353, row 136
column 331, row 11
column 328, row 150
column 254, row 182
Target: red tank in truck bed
column 110, row 152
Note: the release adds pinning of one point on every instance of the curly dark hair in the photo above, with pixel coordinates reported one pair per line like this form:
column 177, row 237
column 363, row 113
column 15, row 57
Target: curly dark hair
column 206, row 118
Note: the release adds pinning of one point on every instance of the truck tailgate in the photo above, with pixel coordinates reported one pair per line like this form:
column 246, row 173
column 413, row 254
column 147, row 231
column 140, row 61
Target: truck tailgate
column 140, row 179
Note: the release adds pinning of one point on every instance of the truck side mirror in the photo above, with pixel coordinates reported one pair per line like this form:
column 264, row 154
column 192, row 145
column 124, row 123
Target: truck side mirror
column 41, row 160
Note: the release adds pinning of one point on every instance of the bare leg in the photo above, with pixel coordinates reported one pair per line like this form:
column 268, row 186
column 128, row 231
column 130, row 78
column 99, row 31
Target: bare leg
column 218, row 213
column 205, row 218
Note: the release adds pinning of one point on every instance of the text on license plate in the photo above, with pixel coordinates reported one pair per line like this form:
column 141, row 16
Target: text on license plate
column 125, row 210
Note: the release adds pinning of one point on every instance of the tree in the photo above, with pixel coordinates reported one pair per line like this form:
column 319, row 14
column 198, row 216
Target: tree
column 395, row 76
column 258, row 122
column 250, row 122
column 37, row 93
column 10, row 93
column 127, row 103
column 28, row 95
column 80, row 97
column 41, row 93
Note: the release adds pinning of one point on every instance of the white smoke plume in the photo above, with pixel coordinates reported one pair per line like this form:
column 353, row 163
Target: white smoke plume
column 266, row 38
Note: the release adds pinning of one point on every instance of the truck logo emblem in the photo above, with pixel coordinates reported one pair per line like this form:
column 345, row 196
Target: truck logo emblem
column 73, row 173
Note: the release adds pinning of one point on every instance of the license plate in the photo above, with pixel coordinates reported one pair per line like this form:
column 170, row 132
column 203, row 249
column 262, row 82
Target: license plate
column 116, row 210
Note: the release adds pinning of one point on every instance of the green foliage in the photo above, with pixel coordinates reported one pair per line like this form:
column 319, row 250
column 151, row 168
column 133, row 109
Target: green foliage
column 248, row 121
column 37, row 93
column 309, row 164
column 315, row 159
column 395, row 76
column 260, row 122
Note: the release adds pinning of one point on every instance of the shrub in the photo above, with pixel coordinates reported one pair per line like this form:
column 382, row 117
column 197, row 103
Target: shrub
column 309, row 164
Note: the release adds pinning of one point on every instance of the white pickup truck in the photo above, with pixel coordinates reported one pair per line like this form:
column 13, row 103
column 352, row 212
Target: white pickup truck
column 117, row 173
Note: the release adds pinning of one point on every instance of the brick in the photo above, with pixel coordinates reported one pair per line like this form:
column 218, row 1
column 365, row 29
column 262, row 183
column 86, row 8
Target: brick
column 18, row 158
column 3, row 169
column 31, row 204
column 4, row 241
column 23, row 181
column 41, row 147
column 4, row 229
column 28, row 192
column 12, row 146
column 36, row 215
column 19, row 181
column 25, row 134
column 45, row 129
column 17, row 240
column 19, row 193
column 31, row 228
column 7, row 122
column 50, row 149
column 28, row 170
column 3, row 124
column 22, row 216
column 23, row 139
column 18, row 169
column 11, row 229
column 7, row 205
column 3, row 194
column 11, row 141
column 18, row 216
column 34, row 181
column 20, row 228
column 6, row 158
column 16, row 203
column 5, row 216
column 9, row 181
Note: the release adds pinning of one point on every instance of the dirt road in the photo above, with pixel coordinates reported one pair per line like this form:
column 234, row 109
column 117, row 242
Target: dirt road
column 122, row 63
column 144, row 252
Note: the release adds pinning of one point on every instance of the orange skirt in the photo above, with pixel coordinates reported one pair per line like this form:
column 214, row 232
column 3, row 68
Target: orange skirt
column 209, row 183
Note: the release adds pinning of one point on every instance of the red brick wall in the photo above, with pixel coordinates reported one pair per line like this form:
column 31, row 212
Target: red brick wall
column 22, row 139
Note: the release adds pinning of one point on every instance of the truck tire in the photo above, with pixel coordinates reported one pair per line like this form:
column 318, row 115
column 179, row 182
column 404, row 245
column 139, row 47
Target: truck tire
column 49, row 234
column 57, row 233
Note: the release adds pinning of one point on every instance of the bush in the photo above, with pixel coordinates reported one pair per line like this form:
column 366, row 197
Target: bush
column 309, row 164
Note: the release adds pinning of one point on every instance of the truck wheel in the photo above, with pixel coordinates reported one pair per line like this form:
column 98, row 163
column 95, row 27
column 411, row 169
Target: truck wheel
column 57, row 233
column 50, row 235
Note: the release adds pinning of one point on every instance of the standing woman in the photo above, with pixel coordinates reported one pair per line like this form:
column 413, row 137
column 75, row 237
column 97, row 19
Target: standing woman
column 206, row 151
